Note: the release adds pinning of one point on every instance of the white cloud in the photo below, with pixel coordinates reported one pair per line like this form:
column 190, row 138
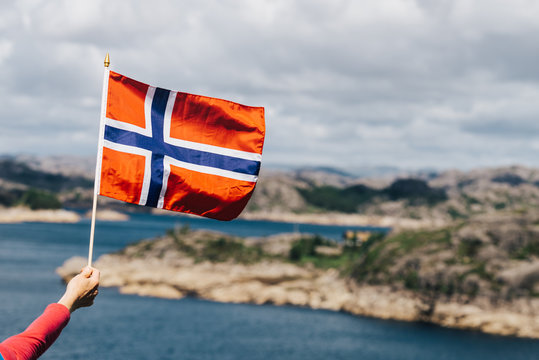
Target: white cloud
column 6, row 48
column 345, row 83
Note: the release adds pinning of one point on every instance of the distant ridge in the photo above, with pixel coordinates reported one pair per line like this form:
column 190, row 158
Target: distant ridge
column 436, row 197
column 68, row 165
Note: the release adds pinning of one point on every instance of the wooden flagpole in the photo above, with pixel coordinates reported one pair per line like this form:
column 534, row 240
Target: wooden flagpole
column 99, row 154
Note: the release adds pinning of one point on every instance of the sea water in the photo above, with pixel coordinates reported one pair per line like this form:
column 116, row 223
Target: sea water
column 132, row 327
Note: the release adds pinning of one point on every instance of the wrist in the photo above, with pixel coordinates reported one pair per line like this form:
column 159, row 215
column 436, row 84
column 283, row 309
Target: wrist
column 67, row 302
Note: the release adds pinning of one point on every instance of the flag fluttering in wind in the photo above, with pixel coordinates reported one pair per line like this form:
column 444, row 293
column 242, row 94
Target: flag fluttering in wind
column 177, row 151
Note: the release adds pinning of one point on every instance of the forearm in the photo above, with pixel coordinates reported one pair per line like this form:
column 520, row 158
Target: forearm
column 37, row 338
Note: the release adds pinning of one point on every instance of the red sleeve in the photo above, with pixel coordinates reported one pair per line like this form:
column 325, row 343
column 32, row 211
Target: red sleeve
column 37, row 338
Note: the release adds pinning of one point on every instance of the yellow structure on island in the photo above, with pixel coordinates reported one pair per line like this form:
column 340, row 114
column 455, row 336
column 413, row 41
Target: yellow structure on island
column 355, row 237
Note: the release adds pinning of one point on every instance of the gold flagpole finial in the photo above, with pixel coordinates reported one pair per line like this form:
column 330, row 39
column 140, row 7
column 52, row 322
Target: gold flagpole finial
column 107, row 60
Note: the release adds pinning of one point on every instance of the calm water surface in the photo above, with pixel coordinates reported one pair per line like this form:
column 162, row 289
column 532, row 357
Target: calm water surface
column 131, row 327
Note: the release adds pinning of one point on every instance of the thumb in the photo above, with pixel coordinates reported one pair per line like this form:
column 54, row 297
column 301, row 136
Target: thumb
column 86, row 271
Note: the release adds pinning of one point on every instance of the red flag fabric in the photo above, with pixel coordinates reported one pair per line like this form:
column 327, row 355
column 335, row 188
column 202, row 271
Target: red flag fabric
column 178, row 151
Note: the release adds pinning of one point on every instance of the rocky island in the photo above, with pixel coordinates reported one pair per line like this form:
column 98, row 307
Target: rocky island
column 480, row 274
column 25, row 214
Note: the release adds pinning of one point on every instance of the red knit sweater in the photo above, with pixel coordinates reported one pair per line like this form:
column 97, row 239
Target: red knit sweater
column 37, row 338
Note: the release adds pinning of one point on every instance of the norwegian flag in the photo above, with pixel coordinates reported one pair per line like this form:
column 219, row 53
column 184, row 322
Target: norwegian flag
column 178, row 151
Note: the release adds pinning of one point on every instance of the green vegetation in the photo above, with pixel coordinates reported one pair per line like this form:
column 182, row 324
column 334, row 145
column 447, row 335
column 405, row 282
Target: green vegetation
column 411, row 280
column 416, row 191
column 303, row 251
column 331, row 198
column 510, row 179
column 177, row 235
column 500, row 205
column 306, row 247
column 37, row 189
column 442, row 262
column 39, row 199
column 479, row 268
column 411, row 240
column 10, row 197
column 214, row 247
column 455, row 214
column 33, row 198
column 225, row 249
column 526, row 251
column 306, row 251
column 348, row 200
column 469, row 200
column 468, row 248
column 445, row 261
column 143, row 248
column 374, row 264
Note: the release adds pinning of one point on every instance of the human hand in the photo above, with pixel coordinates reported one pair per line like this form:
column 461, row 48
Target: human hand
column 81, row 290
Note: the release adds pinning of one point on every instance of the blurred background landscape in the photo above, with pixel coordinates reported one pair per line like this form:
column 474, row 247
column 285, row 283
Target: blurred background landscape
column 399, row 181
column 459, row 248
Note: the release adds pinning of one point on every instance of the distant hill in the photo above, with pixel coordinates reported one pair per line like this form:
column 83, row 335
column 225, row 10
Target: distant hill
column 444, row 197
column 448, row 196
column 67, row 165
column 21, row 184
column 20, row 173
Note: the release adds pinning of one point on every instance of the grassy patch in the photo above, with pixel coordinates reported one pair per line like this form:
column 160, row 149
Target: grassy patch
column 40, row 199
column 307, row 247
column 143, row 247
column 468, row 248
column 525, row 252
column 500, row 205
column 375, row 260
column 415, row 192
column 455, row 214
column 411, row 280
column 335, row 199
column 225, row 249
column 177, row 235
column 410, row 240
column 480, row 269
column 303, row 252
column 324, row 261
column 470, row 200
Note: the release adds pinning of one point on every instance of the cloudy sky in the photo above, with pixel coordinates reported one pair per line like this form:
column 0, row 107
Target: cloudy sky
column 408, row 83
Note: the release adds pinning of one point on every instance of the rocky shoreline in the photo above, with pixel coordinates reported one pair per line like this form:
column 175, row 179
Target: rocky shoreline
column 108, row 215
column 21, row 214
column 24, row 214
column 335, row 218
column 159, row 269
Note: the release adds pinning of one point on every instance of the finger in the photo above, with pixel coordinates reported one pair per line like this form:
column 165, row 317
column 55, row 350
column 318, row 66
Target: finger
column 92, row 293
column 95, row 275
